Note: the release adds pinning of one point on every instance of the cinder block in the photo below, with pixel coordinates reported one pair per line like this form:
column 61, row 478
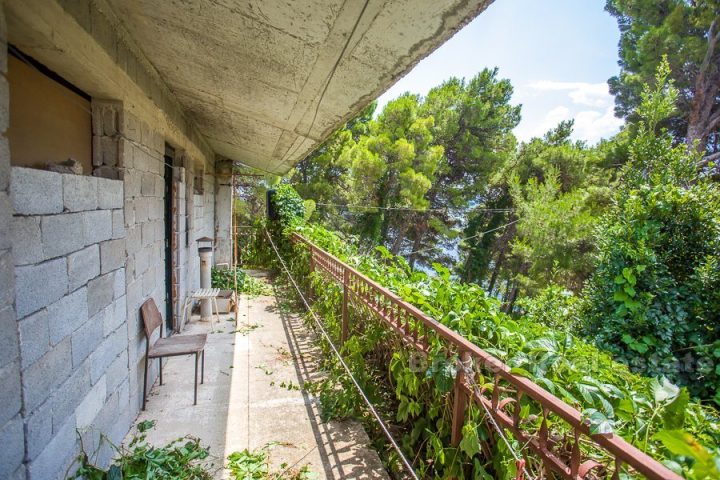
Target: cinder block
column 115, row 316
column 38, row 430
column 4, row 164
column 35, row 192
column 160, row 186
column 112, row 255
column 68, row 314
column 133, row 180
column 12, row 439
column 80, row 192
column 148, row 234
column 43, row 376
column 85, row 340
column 134, row 295
column 117, row 372
column 27, row 240
column 68, row 396
column 40, row 285
column 149, row 283
column 119, row 283
column 133, row 239
column 10, row 396
column 34, row 337
column 5, row 219
column 100, row 293
column 91, row 405
column 98, row 226
column 118, row 224
column 62, row 234
column 9, row 346
column 7, row 278
column 147, row 187
column 57, row 455
column 110, row 193
column 83, row 266
column 107, row 352
column 142, row 261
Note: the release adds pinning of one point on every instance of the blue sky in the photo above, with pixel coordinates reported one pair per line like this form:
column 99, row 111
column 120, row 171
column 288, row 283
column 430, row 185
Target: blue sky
column 558, row 54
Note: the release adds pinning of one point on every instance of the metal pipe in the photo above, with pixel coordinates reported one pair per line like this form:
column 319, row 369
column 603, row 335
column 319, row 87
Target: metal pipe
column 205, row 280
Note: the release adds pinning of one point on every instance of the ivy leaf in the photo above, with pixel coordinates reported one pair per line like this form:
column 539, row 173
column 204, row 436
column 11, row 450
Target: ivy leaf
column 663, row 390
column 114, row 473
column 470, row 443
column 479, row 472
column 674, row 413
column 442, row 371
column 597, row 422
column 683, row 444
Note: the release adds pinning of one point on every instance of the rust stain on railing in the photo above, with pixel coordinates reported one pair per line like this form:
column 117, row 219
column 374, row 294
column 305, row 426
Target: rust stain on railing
column 415, row 328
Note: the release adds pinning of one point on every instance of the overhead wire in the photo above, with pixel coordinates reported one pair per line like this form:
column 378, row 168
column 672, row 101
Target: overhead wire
column 371, row 407
column 410, row 209
column 466, row 238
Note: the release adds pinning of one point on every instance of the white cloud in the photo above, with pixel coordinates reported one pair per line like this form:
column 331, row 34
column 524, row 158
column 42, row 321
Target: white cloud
column 589, row 104
column 592, row 125
column 581, row 93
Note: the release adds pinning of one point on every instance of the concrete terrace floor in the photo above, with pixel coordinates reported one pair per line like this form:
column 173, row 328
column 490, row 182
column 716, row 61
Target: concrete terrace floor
column 242, row 404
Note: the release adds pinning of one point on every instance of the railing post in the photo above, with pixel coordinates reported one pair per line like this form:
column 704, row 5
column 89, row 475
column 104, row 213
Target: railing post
column 459, row 403
column 312, row 270
column 346, row 281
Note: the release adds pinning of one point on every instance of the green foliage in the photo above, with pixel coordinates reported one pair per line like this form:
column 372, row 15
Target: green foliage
column 553, row 306
column 255, row 465
column 181, row 459
column 224, row 279
column 290, row 206
column 408, row 174
column 682, row 32
column 653, row 300
column 611, row 397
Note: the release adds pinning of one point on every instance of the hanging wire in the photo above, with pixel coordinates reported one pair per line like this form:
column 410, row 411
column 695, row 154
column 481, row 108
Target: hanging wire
column 386, row 431
column 470, row 376
column 409, row 209
column 466, row 238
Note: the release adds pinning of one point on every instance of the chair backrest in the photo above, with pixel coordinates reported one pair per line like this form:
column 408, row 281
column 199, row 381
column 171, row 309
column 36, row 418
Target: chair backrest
column 152, row 318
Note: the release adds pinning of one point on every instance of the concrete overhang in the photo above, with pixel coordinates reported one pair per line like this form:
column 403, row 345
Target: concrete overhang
column 267, row 81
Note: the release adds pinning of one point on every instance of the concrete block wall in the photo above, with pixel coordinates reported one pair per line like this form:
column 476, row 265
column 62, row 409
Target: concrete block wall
column 81, row 253
column 70, row 299
column 12, row 432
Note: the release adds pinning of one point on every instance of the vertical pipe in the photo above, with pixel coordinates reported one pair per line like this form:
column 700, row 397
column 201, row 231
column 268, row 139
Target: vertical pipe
column 205, row 281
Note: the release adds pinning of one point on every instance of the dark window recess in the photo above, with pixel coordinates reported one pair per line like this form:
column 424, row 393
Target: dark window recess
column 198, row 184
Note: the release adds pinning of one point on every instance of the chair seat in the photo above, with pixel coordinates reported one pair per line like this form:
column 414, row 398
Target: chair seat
column 178, row 345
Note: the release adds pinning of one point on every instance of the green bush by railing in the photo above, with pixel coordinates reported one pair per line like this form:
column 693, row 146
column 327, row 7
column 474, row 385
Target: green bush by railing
column 652, row 414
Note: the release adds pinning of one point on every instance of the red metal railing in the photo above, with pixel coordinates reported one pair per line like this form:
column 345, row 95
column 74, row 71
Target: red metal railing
column 560, row 455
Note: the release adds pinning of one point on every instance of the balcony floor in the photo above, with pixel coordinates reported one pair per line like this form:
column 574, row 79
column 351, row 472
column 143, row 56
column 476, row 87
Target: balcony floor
column 242, row 404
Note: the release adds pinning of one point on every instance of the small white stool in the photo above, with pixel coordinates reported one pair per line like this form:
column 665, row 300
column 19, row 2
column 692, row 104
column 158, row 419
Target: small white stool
column 203, row 294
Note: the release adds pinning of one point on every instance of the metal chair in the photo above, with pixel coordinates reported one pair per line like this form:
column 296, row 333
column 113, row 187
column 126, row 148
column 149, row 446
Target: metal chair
column 169, row 346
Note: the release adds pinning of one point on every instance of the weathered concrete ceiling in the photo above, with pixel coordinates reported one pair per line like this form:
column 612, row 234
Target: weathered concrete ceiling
column 267, row 81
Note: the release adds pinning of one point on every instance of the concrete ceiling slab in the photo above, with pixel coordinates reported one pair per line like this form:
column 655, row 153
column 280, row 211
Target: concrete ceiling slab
column 268, row 81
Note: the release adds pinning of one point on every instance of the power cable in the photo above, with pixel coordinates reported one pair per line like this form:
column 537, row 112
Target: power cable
column 386, row 431
column 409, row 209
column 466, row 238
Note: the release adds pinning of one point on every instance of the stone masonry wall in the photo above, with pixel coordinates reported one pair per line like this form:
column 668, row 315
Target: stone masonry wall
column 12, row 435
column 68, row 234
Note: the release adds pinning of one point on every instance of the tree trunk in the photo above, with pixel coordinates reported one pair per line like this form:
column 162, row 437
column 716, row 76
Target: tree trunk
column 704, row 117
column 496, row 271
